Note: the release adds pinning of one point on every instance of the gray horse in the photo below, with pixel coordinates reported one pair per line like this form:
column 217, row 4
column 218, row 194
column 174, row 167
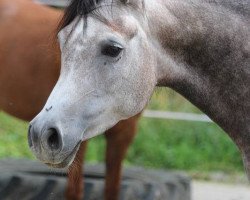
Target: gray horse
column 115, row 52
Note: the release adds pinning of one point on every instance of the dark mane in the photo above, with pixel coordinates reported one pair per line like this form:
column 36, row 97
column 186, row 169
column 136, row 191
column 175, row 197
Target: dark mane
column 84, row 7
column 78, row 8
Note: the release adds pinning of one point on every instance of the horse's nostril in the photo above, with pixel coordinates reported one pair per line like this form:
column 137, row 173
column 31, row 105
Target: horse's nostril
column 54, row 139
column 29, row 137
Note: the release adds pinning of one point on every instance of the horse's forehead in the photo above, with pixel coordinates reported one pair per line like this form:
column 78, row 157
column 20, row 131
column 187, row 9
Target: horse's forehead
column 94, row 27
column 125, row 26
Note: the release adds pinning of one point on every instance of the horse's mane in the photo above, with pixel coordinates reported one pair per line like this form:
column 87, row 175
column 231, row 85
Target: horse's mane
column 78, row 8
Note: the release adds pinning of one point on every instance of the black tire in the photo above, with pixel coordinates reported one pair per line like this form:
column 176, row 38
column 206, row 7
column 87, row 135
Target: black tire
column 31, row 180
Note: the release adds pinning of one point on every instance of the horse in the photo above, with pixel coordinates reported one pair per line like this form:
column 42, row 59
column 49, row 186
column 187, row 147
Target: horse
column 114, row 54
column 30, row 67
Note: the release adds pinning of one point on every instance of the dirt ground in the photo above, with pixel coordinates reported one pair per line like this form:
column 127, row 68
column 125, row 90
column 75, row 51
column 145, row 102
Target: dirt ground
column 219, row 191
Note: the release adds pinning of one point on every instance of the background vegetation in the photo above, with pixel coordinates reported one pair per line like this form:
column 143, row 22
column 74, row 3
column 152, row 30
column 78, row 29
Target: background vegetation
column 167, row 144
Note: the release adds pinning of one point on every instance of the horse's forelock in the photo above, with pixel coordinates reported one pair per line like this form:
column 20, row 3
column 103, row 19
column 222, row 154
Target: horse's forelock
column 84, row 7
column 77, row 8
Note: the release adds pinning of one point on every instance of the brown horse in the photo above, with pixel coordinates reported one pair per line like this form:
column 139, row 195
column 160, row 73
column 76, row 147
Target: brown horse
column 29, row 68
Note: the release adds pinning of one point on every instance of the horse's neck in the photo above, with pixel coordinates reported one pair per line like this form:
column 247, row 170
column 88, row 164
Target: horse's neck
column 205, row 57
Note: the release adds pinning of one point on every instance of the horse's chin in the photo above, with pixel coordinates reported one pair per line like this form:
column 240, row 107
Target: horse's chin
column 66, row 162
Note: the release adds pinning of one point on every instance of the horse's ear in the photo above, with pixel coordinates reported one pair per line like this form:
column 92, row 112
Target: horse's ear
column 135, row 3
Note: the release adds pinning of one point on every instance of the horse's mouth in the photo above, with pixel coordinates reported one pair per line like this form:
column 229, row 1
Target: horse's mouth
column 68, row 160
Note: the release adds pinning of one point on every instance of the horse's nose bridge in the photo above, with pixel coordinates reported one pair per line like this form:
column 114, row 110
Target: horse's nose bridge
column 48, row 108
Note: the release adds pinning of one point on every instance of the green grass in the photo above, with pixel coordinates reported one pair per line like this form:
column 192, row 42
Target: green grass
column 13, row 137
column 167, row 144
column 184, row 145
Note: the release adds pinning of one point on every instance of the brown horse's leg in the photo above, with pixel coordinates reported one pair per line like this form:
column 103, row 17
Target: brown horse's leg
column 74, row 190
column 118, row 140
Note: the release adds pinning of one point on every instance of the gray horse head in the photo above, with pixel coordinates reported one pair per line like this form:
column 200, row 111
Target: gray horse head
column 107, row 75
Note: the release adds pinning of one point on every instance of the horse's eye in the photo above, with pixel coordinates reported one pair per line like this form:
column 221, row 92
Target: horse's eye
column 113, row 50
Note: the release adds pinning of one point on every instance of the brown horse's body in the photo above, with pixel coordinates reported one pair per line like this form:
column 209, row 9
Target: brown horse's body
column 29, row 68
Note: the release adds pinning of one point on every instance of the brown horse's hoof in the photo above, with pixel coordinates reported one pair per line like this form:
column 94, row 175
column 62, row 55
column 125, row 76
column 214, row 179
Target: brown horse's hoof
column 22, row 179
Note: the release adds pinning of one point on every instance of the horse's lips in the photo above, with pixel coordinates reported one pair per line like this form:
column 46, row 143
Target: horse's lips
column 68, row 160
